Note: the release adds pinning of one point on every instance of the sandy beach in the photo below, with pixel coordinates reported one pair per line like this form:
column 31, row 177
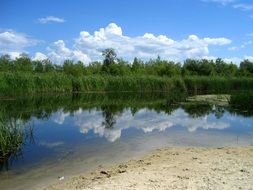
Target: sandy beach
column 172, row 168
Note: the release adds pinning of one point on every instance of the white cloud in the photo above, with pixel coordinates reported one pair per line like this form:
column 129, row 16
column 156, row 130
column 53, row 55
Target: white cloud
column 234, row 60
column 11, row 41
column 39, row 56
column 244, row 45
column 87, row 47
column 238, row 60
column 223, row 2
column 233, row 48
column 244, row 7
column 58, row 52
column 249, row 57
column 51, row 19
column 217, row 41
column 241, row 6
column 248, row 43
column 210, row 57
column 13, row 54
column 146, row 46
column 250, row 34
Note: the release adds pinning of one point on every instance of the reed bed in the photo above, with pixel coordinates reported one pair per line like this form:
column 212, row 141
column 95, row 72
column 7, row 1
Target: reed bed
column 25, row 83
column 11, row 139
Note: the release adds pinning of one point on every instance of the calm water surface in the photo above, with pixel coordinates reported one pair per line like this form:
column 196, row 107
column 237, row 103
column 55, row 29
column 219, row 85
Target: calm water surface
column 77, row 133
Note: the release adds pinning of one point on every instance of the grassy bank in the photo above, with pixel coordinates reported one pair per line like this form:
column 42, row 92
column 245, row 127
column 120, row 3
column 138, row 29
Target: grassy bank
column 200, row 84
column 25, row 83
column 16, row 83
column 242, row 102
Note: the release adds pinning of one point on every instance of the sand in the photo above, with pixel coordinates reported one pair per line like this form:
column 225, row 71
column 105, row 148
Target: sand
column 172, row 168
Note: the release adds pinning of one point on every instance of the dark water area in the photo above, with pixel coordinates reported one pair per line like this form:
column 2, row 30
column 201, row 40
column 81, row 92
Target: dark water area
column 74, row 133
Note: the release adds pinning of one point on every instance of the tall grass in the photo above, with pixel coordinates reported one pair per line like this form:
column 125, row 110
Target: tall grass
column 15, row 83
column 19, row 83
column 217, row 84
column 11, row 139
column 25, row 83
column 241, row 102
column 13, row 135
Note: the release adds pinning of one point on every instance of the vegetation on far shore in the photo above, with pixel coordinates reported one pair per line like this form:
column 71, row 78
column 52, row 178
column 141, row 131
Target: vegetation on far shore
column 24, row 75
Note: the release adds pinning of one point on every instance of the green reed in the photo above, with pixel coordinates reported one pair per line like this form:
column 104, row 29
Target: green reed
column 27, row 83
column 11, row 139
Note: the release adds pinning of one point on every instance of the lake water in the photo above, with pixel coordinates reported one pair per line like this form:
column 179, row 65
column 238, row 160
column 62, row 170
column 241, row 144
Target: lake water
column 71, row 134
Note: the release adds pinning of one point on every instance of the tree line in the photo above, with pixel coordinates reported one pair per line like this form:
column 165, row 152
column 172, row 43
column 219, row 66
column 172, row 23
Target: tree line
column 111, row 65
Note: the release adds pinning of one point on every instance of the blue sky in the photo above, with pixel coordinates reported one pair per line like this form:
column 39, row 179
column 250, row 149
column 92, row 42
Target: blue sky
column 173, row 29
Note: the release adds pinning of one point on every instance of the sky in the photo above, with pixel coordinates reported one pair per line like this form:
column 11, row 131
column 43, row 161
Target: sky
column 173, row 29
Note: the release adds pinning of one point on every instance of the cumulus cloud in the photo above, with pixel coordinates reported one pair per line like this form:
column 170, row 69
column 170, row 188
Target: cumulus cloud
column 58, row 52
column 51, row 19
column 11, row 41
column 87, row 47
column 13, row 54
column 39, row 56
column 145, row 46
column 249, row 57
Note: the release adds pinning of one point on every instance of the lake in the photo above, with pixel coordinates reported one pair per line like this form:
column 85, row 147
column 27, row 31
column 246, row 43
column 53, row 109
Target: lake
column 70, row 134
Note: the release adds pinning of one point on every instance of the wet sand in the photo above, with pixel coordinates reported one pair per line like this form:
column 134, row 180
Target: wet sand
column 172, row 168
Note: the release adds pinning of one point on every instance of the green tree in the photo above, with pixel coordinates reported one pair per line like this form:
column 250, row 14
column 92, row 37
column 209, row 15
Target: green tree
column 138, row 66
column 109, row 55
column 68, row 67
column 23, row 63
column 48, row 65
column 94, row 68
column 78, row 69
column 5, row 63
column 246, row 68
column 206, row 67
column 190, row 67
column 38, row 66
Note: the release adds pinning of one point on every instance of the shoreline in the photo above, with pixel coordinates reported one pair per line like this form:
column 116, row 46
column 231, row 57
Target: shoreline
column 172, row 168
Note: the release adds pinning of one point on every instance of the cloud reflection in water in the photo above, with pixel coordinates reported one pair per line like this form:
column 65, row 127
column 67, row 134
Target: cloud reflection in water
column 144, row 119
